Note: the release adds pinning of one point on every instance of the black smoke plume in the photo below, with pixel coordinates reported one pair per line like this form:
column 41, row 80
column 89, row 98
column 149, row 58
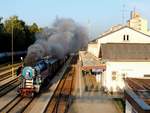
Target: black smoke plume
column 65, row 36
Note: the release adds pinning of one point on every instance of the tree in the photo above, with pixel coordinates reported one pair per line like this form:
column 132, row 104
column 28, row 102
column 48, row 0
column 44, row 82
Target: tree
column 1, row 25
column 23, row 35
column 13, row 24
column 34, row 28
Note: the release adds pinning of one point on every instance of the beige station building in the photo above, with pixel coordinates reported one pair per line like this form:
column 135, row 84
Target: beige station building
column 125, row 52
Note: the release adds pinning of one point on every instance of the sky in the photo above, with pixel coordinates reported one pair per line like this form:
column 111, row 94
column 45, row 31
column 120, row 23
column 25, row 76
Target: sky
column 96, row 15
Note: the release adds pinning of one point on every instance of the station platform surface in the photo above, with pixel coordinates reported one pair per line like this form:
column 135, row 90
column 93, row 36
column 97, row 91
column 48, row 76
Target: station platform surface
column 90, row 101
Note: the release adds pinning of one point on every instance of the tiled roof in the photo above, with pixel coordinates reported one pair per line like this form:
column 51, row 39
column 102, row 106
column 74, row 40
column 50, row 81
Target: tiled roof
column 125, row 51
column 89, row 60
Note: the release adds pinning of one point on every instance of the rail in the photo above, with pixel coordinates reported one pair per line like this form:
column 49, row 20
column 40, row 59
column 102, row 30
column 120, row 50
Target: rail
column 17, row 105
column 4, row 89
column 61, row 98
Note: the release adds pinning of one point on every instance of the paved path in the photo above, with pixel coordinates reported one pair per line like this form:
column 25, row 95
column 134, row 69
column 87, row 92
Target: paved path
column 93, row 106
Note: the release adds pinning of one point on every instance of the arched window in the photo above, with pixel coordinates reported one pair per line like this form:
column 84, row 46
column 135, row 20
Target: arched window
column 124, row 37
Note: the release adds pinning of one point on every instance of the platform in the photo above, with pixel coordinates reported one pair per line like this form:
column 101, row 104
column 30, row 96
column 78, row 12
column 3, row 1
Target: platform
column 89, row 61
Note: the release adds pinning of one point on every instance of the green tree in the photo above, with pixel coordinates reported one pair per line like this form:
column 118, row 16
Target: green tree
column 15, row 24
column 34, row 28
column 17, row 27
column 1, row 25
column 23, row 35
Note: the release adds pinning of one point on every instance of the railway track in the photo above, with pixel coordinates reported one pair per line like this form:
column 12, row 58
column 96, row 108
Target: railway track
column 63, row 91
column 17, row 105
column 62, row 96
column 9, row 86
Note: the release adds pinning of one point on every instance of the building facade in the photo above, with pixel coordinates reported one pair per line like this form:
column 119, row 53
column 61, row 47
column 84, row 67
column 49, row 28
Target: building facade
column 124, row 60
column 124, row 34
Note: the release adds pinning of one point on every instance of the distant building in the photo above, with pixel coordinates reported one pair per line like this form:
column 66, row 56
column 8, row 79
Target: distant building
column 138, row 23
column 137, row 95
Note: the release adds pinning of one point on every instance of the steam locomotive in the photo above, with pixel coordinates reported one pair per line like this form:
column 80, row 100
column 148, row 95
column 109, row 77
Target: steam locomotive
column 32, row 77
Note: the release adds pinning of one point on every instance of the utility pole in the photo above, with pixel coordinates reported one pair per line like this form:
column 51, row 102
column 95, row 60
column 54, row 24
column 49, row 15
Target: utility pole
column 12, row 49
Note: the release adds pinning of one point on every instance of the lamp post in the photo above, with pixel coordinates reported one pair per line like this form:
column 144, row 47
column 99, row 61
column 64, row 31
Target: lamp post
column 12, row 54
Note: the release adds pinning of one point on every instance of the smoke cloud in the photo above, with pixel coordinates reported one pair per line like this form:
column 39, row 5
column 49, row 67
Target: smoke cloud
column 65, row 36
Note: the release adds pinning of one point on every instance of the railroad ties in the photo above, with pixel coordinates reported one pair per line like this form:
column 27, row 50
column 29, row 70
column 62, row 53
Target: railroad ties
column 62, row 96
column 17, row 105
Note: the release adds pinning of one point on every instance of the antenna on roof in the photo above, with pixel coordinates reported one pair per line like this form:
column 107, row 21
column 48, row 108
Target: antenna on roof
column 124, row 14
column 134, row 9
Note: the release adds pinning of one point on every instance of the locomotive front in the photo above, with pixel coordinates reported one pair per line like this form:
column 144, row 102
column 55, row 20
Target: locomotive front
column 32, row 78
column 27, row 81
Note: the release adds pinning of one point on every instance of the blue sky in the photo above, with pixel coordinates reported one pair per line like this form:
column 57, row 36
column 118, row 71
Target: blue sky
column 97, row 15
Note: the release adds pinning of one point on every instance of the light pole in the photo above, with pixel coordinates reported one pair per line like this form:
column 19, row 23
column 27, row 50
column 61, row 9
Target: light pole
column 12, row 49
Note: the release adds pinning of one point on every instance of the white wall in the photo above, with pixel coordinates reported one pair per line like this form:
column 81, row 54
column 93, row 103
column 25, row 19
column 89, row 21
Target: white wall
column 129, row 69
column 117, row 37
column 93, row 49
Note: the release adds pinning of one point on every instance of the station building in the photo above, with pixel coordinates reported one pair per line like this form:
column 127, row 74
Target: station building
column 124, row 60
column 125, row 52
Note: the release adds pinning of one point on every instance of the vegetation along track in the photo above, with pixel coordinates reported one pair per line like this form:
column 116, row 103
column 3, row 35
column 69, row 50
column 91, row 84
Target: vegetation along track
column 5, row 74
column 4, row 67
column 17, row 105
column 9, row 86
column 62, row 96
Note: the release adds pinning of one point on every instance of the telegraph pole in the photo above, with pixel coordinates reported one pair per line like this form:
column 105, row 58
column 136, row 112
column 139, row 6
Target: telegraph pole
column 12, row 49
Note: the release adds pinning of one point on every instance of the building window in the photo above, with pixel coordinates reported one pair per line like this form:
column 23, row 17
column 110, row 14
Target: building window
column 114, row 75
column 127, row 37
column 123, row 75
column 124, row 37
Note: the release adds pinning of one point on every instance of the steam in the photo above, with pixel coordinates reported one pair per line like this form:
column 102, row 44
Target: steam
column 65, row 36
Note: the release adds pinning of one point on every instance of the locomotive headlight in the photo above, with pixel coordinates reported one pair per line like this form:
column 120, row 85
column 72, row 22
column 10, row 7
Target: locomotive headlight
column 28, row 73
